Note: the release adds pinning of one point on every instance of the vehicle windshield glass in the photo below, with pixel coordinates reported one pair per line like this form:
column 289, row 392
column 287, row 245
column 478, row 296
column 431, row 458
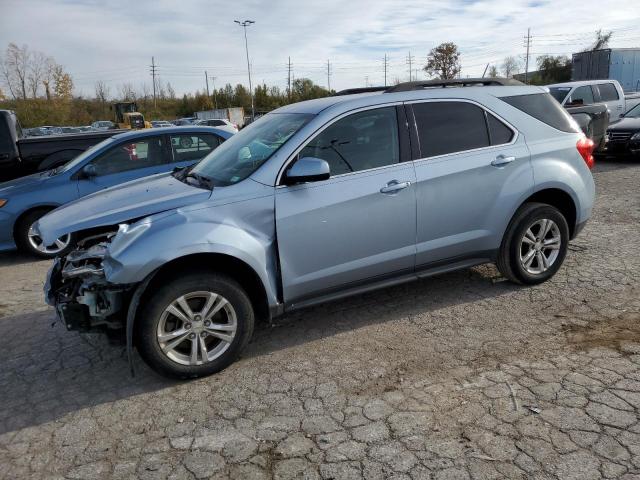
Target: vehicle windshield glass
column 80, row 158
column 559, row 93
column 246, row 151
column 634, row 112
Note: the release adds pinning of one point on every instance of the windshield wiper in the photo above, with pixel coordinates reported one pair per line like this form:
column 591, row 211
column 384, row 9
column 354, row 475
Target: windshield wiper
column 200, row 179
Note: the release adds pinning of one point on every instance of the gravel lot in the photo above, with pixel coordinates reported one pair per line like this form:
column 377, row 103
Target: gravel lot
column 458, row 376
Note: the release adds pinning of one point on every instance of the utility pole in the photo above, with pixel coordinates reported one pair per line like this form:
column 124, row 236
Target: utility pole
column 385, row 64
column 366, row 80
column 206, row 79
column 215, row 96
column 410, row 63
column 289, row 79
column 153, row 76
column 244, row 25
column 328, row 76
column 526, row 63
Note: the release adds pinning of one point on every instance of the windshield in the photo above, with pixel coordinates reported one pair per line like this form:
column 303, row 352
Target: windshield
column 81, row 158
column 246, row 151
column 559, row 93
column 634, row 112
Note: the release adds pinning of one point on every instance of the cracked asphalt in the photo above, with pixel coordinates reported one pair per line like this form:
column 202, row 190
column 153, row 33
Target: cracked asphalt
column 455, row 377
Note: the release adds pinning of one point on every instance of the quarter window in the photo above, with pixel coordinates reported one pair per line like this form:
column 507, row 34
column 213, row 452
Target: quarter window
column 449, row 127
column 358, row 142
column 608, row 92
column 131, row 156
column 191, row 146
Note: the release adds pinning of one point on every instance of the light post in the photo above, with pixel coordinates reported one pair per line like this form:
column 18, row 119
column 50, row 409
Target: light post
column 244, row 25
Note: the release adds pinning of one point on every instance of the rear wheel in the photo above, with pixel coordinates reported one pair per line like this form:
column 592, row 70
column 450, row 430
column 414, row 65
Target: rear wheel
column 195, row 325
column 535, row 244
column 29, row 241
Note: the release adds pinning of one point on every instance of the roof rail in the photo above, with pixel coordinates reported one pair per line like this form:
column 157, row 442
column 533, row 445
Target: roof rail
column 353, row 91
column 457, row 82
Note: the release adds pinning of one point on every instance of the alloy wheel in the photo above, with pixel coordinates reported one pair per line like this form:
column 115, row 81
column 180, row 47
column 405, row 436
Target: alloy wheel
column 540, row 246
column 197, row 328
column 38, row 244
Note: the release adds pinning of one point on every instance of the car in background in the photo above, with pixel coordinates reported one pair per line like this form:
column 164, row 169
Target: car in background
column 104, row 125
column 66, row 130
column 184, row 121
column 219, row 123
column 161, row 124
column 623, row 137
column 119, row 159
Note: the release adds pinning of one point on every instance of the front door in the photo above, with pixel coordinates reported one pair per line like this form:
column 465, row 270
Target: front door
column 358, row 226
column 125, row 161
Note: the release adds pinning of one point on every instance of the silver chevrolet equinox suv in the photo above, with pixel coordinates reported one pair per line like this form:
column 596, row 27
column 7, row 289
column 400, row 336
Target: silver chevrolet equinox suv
column 320, row 200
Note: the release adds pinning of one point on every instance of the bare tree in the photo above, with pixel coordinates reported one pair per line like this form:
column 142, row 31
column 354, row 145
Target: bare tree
column 493, row 71
column 47, row 77
column 170, row 91
column 102, row 91
column 443, row 61
column 127, row 92
column 15, row 70
column 37, row 70
column 510, row 66
column 602, row 40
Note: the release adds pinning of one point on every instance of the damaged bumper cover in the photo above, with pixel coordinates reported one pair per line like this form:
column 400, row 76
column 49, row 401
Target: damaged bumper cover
column 76, row 287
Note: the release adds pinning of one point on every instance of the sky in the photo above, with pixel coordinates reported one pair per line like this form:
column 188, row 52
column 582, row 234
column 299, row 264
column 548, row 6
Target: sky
column 114, row 40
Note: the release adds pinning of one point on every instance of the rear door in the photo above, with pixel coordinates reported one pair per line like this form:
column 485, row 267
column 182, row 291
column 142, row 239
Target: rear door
column 125, row 161
column 359, row 226
column 472, row 168
column 608, row 94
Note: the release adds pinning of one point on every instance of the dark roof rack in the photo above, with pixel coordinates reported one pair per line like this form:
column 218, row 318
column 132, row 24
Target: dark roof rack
column 457, row 82
column 353, row 91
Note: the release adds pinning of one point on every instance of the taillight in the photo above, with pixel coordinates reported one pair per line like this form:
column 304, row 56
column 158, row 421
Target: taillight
column 585, row 149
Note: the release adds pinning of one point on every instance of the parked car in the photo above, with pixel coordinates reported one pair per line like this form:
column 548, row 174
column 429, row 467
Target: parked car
column 104, row 125
column 587, row 92
column 161, row 124
column 117, row 160
column 321, row 200
column 185, row 121
column 219, row 123
column 623, row 137
column 20, row 156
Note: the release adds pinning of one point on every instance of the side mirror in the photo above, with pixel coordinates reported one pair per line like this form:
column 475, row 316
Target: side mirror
column 307, row 169
column 89, row 171
column 622, row 115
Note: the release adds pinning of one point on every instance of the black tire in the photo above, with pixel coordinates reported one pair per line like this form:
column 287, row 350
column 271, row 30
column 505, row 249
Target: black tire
column 150, row 315
column 508, row 261
column 21, row 235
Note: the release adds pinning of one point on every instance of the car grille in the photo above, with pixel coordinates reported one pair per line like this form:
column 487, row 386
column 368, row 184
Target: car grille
column 619, row 136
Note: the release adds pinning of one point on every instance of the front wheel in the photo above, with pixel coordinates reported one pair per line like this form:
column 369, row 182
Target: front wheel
column 29, row 241
column 534, row 245
column 195, row 325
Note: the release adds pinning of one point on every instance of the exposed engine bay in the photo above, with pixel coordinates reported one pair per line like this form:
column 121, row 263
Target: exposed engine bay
column 77, row 288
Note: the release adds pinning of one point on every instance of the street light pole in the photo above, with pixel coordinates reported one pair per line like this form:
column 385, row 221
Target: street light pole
column 244, row 25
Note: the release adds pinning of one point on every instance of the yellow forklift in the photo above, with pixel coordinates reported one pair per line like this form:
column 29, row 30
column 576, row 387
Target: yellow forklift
column 128, row 117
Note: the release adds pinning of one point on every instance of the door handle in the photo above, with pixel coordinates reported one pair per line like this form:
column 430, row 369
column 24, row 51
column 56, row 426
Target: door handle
column 502, row 160
column 394, row 186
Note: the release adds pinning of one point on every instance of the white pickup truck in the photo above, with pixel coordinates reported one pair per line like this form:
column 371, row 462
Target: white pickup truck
column 587, row 92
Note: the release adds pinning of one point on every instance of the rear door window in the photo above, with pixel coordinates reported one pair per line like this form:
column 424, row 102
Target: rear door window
column 543, row 107
column 608, row 92
column 193, row 146
column 449, row 127
column 581, row 96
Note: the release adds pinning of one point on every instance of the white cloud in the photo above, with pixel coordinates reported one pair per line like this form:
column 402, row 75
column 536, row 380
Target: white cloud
column 115, row 40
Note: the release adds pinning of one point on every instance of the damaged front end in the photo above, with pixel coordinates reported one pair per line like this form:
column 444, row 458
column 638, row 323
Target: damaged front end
column 76, row 287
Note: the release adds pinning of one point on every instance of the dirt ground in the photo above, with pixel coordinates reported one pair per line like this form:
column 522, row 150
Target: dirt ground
column 454, row 377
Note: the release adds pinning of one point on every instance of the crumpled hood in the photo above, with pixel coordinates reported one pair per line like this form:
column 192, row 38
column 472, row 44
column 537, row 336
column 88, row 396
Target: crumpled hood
column 118, row 204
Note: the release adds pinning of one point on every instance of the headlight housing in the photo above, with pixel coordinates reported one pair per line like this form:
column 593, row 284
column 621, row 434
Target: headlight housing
column 635, row 137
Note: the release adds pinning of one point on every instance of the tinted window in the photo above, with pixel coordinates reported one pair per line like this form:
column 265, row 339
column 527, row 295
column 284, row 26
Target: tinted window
column 498, row 131
column 608, row 92
column 130, row 156
column 543, row 107
column 360, row 141
column 581, row 96
column 216, row 123
column 190, row 146
column 559, row 93
column 448, row 127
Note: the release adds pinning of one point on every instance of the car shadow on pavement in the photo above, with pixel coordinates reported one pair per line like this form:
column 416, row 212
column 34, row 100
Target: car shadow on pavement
column 50, row 372
column 15, row 257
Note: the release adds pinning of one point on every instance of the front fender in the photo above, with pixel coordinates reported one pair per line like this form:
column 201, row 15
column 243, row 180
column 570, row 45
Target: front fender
column 243, row 230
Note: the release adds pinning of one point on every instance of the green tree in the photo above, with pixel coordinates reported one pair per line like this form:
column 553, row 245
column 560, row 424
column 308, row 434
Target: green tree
column 443, row 61
column 552, row 70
